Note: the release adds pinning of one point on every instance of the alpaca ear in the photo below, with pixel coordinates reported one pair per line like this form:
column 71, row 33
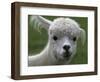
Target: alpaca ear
column 41, row 21
column 82, row 36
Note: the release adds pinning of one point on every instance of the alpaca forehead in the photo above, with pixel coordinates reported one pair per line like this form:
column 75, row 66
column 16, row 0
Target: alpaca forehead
column 64, row 26
column 65, row 32
column 63, row 22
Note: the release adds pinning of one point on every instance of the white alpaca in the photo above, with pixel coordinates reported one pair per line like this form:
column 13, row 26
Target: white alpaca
column 61, row 47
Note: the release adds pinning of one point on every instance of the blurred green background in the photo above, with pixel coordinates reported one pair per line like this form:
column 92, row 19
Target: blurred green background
column 38, row 38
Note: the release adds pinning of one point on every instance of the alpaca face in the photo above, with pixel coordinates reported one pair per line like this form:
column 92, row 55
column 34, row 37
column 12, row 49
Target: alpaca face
column 64, row 47
column 63, row 36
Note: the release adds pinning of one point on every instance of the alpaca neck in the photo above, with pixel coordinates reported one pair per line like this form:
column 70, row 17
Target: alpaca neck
column 48, row 56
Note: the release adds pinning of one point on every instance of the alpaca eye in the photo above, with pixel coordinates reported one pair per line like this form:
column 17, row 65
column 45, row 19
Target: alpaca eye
column 55, row 38
column 74, row 39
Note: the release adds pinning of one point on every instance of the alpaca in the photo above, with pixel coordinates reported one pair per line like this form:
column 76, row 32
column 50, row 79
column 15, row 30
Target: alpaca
column 61, row 47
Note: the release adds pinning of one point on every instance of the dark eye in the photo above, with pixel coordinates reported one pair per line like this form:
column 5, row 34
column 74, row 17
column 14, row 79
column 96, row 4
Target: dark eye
column 55, row 38
column 74, row 38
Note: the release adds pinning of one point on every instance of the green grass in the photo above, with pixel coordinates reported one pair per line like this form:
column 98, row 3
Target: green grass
column 38, row 40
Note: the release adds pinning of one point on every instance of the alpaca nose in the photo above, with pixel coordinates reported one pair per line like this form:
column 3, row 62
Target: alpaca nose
column 66, row 47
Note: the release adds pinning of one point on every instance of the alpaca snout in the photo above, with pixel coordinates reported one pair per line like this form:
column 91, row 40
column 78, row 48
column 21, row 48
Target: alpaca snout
column 66, row 47
column 67, row 52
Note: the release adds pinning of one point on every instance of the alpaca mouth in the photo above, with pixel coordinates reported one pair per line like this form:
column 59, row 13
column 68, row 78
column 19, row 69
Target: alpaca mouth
column 67, row 55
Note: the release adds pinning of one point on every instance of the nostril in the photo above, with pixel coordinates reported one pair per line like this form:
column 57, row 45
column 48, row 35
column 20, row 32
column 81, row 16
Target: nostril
column 66, row 47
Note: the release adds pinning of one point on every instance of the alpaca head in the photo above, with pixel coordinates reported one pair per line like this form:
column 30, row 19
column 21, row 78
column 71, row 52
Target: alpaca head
column 63, row 35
